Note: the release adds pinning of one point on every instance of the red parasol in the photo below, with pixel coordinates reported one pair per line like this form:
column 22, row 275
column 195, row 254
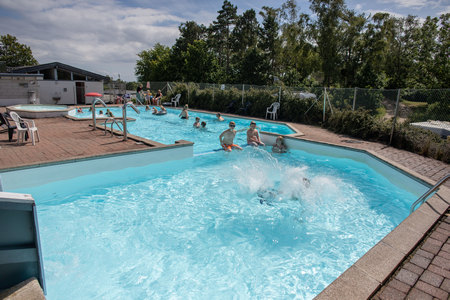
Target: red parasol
column 93, row 95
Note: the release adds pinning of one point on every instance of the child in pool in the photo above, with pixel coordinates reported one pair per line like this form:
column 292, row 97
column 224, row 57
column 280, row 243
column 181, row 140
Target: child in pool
column 197, row 122
column 279, row 146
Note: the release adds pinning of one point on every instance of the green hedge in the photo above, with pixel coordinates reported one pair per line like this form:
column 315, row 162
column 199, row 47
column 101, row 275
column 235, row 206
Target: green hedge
column 361, row 124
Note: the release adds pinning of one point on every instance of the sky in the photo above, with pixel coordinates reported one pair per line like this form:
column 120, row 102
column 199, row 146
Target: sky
column 105, row 36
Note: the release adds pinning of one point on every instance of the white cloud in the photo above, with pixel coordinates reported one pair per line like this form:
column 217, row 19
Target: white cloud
column 414, row 4
column 88, row 35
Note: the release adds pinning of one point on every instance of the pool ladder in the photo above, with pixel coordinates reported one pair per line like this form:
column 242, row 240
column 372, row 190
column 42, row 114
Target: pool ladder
column 113, row 121
column 429, row 192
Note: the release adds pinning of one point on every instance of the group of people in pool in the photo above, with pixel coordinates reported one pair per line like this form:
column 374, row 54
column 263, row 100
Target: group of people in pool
column 226, row 138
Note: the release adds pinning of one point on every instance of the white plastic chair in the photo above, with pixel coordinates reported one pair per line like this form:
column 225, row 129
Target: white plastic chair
column 272, row 110
column 176, row 100
column 23, row 126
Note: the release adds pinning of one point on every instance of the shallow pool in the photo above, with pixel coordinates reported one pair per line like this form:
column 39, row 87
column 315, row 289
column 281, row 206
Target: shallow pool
column 223, row 225
column 39, row 107
column 168, row 128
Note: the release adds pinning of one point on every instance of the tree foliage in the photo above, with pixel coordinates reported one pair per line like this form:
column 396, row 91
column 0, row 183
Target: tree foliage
column 335, row 47
column 15, row 54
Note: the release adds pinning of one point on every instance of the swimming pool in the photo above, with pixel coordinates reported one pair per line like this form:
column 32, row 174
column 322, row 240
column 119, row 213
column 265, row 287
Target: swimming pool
column 168, row 128
column 36, row 111
column 239, row 225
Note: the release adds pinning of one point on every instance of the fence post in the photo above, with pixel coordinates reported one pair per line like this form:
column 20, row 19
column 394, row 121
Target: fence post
column 354, row 99
column 395, row 117
column 324, row 102
column 243, row 91
column 188, row 88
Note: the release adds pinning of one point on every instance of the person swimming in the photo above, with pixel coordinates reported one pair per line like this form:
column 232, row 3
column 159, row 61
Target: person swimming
column 196, row 123
column 219, row 117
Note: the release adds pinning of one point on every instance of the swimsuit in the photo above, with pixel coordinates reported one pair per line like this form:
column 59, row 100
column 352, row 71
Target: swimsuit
column 229, row 147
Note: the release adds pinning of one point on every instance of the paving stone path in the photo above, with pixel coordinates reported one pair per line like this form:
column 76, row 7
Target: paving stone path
column 425, row 274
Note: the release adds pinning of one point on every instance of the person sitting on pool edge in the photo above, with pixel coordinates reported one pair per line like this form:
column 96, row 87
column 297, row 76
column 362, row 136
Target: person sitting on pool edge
column 197, row 122
column 279, row 146
column 253, row 138
column 226, row 138
column 219, row 117
column 184, row 114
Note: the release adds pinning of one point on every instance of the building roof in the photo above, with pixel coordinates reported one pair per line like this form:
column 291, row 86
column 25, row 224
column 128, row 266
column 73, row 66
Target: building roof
column 58, row 65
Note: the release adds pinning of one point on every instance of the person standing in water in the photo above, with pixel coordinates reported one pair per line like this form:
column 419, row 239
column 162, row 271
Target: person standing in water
column 227, row 138
column 184, row 114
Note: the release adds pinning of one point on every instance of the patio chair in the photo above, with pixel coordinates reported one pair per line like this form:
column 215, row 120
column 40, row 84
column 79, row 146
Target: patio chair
column 4, row 121
column 245, row 109
column 272, row 110
column 176, row 100
column 24, row 126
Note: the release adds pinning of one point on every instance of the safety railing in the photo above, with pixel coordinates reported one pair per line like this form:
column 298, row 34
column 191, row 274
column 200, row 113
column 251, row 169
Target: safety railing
column 428, row 193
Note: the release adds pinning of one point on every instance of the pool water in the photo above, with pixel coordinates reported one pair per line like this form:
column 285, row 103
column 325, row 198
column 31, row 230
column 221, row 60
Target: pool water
column 40, row 107
column 168, row 128
column 219, row 225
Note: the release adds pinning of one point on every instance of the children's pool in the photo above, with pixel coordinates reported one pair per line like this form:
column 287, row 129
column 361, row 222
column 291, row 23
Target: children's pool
column 168, row 128
column 239, row 225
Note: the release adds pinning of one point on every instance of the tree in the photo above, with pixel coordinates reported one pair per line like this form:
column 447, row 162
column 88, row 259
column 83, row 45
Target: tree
column 15, row 54
column 220, row 36
column 375, row 48
column 298, row 58
column 152, row 64
column 402, row 51
column 199, row 64
column 253, row 68
column 328, row 36
column 351, row 48
column 189, row 33
column 270, row 42
column 442, row 64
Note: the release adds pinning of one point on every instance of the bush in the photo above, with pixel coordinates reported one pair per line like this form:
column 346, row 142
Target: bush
column 361, row 124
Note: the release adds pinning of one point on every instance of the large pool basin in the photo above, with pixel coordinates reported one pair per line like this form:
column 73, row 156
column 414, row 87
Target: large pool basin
column 228, row 225
column 37, row 111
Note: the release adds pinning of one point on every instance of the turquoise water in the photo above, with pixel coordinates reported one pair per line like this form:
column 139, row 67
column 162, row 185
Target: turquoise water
column 223, row 225
column 168, row 128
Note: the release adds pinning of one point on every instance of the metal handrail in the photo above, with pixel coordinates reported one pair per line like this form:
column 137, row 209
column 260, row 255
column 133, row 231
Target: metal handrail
column 113, row 121
column 431, row 190
column 94, row 121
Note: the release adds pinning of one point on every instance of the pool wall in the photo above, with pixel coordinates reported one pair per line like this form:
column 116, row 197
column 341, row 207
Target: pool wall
column 395, row 175
column 42, row 174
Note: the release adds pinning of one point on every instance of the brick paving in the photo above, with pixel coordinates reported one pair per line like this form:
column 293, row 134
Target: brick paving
column 425, row 274
column 62, row 139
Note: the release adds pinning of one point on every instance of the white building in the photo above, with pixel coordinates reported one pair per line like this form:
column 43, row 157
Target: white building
column 52, row 83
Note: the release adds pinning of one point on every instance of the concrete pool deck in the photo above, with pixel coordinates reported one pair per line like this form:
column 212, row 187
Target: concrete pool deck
column 376, row 275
